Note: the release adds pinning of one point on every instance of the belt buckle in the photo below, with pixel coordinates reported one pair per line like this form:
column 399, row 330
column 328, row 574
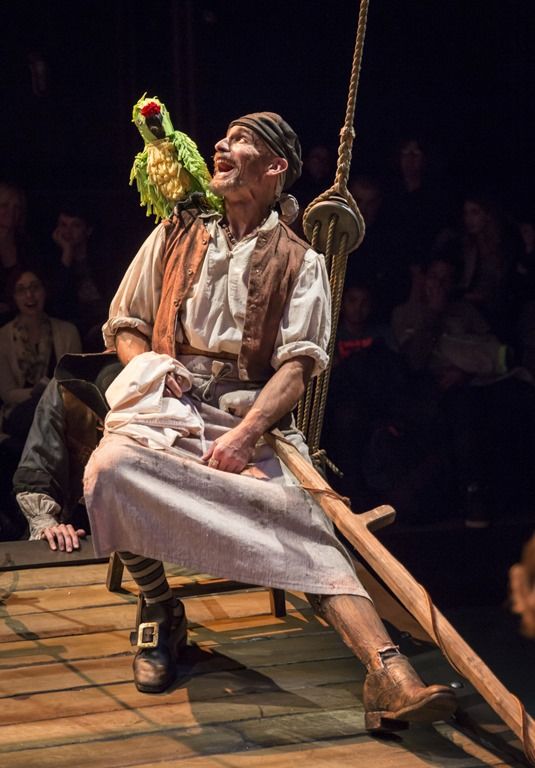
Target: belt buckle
column 153, row 628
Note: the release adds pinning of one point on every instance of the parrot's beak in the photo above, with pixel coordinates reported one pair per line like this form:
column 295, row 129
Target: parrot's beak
column 154, row 124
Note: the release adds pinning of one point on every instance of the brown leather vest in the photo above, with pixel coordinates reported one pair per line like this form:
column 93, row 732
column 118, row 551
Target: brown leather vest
column 275, row 264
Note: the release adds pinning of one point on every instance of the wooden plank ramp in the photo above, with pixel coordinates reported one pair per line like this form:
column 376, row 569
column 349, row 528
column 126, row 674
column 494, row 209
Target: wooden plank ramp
column 253, row 690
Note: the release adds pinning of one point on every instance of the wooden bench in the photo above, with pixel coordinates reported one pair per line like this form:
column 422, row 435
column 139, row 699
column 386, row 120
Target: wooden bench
column 20, row 555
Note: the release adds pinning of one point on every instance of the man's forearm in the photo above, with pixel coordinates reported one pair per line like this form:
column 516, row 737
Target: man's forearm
column 129, row 343
column 278, row 397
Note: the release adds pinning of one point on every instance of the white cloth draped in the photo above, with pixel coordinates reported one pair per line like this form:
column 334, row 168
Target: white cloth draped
column 138, row 408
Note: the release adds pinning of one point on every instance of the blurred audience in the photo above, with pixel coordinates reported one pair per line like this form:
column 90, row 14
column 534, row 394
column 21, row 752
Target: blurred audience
column 30, row 346
column 417, row 200
column 491, row 249
column 358, row 329
column 15, row 245
column 363, row 394
column 319, row 166
column 381, row 260
column 484, row 417
column 80, row 291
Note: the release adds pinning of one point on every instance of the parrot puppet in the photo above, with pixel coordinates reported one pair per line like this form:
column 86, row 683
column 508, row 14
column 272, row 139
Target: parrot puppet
column 170, row 167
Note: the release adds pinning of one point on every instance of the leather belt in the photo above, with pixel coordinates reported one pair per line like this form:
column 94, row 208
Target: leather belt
column 185, row 349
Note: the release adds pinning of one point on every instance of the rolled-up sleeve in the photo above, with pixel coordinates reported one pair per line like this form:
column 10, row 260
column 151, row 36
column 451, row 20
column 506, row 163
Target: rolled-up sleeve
column 306, row 322
column 137, row 299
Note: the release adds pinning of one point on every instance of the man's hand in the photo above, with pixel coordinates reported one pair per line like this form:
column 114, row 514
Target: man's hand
column 173, row 386
column 129, row 342
column 67, row 251
column 63, row 537
column 231, row 452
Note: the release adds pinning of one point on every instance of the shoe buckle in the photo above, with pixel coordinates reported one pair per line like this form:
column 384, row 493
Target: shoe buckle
column 147, row 634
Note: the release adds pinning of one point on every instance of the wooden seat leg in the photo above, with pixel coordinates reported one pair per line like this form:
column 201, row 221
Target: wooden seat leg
column 114, row 576
column 277, row 602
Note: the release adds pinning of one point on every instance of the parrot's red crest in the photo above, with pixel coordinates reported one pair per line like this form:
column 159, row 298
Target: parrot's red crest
column 151, row 109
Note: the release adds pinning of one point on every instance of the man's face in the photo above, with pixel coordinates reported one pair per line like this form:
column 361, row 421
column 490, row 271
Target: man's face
column 439, row 283
column 368, row 199
column 240, row 161
column 356, row 305
column 72, row 229
column 475, row 218
column 10, row 209
column 412, row 158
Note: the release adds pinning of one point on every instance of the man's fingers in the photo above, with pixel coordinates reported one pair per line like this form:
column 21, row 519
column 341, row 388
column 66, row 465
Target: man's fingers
column 71, row 539
column 49, row 536
column 64, row 537
column 173, row 386
column 208, row 453
column 60, row 536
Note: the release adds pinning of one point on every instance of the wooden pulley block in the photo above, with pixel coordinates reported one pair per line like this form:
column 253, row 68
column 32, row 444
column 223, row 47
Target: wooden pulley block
column 346, row 221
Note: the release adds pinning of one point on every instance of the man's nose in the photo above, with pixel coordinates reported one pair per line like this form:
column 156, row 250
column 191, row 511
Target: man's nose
column 222, row 145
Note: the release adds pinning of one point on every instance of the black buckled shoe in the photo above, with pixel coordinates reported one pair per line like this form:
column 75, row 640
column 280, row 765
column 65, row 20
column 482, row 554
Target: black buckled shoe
column 160, row 636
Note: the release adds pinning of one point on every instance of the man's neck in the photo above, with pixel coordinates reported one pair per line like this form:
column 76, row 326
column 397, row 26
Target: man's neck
column 244, row 217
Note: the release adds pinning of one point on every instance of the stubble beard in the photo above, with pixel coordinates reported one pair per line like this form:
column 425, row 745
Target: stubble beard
column 222, row 186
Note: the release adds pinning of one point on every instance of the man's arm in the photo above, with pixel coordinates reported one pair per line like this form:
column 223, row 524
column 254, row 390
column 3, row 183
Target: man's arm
column 129, row 343
column 233, row 450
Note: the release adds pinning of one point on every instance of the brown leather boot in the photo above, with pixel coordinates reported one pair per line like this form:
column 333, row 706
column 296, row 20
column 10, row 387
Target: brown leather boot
column 395, row 695
column 159, row 636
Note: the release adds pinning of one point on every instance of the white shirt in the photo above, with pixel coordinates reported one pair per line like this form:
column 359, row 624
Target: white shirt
column 214, row 311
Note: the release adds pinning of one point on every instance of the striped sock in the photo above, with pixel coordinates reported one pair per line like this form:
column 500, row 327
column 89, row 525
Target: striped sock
column 150, row 577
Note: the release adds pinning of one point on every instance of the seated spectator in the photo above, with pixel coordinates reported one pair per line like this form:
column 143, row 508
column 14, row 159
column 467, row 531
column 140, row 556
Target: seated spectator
column 66, row 428
column 15, row 248
column 319, row 167
column 525, row 265
column 381, row 259
column 357, row 330
column 30, row 346
column 524, row 296
column 78, row 280
column 490, row 250
column 417, row 200
column 366, row 380
column 485, row 413
column 445, row 335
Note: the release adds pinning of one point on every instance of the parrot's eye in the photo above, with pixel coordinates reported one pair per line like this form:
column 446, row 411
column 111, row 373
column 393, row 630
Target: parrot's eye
column 139, row 121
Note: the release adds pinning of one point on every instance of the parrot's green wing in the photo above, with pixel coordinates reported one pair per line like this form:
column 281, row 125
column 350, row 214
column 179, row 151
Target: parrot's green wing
column 191, row 159
column 149, row 194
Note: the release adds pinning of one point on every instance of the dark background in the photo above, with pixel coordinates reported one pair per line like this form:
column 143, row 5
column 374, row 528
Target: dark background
column 461, row 72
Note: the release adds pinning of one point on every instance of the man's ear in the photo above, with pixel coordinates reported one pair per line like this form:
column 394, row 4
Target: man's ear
column 277, row 166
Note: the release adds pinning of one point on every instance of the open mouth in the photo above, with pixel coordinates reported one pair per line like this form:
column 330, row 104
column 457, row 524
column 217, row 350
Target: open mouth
column 222, row 165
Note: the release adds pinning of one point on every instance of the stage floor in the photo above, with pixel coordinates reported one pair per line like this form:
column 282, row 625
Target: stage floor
column 253, row 690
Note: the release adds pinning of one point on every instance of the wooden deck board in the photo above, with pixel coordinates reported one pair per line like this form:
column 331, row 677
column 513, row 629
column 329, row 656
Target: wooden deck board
column 252, row 691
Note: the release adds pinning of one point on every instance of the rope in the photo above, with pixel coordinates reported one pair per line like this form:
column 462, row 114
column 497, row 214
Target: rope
column 322, row 385
column 347, row 133
column 311, row 408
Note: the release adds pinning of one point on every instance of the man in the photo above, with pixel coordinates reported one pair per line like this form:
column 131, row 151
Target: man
column 243, row 303
column 78, row 277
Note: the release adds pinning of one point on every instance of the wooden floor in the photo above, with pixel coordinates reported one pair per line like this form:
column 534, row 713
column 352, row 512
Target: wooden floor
column 253, row 690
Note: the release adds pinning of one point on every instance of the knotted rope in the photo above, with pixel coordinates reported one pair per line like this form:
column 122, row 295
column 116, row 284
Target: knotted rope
column 336, row 212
